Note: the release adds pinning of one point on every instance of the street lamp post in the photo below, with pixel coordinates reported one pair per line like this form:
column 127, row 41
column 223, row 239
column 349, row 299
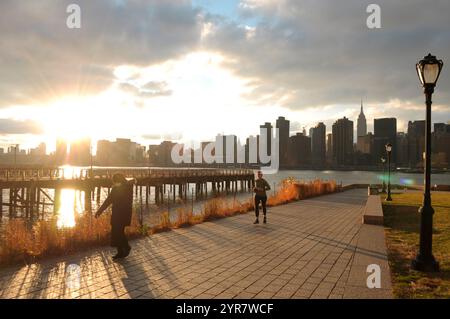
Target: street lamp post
column 15, row 154
column 428, row 70
column 388, row 152
column 91, row 159
column 148, row 162
column 383, row 189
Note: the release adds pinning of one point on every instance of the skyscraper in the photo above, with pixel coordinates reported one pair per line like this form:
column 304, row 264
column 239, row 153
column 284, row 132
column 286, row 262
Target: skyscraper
column 365, row 144
column 342, row 133
column 299, row 150
column 441, row 143
column 283, row 139
column 361, row 132
column 362, row 123
column 385, row 131
column 318, row 144
column 416, row 142
column 123, row 151
column 329, row 148
column 265, row 143
column 402, row 149
column 80, row 152
column 105, row 153
column 61, row 152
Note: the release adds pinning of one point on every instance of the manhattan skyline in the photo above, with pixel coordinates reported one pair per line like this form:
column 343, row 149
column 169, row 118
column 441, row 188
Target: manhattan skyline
column 187, row 70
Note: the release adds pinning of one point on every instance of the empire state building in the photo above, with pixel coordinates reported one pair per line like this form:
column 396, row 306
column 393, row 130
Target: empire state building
column 363, row 141
column 361, row 129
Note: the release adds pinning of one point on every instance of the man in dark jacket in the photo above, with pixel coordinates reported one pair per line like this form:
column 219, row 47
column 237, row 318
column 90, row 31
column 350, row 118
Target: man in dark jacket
column 121, row 198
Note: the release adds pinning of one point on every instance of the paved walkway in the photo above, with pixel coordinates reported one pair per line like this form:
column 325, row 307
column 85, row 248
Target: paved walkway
column 306, row 251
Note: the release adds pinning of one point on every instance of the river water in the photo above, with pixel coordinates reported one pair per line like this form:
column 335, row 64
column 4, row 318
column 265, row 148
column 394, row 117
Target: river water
column 72, row 202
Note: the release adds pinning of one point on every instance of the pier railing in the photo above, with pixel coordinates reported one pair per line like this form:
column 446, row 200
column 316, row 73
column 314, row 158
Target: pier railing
column 7, row 174
column 20, row 174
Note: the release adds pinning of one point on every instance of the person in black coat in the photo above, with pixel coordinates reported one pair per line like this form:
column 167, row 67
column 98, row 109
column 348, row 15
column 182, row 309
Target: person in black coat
column 121, row 198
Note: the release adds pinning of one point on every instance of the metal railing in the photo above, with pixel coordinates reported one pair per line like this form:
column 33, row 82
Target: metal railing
column 21, row 174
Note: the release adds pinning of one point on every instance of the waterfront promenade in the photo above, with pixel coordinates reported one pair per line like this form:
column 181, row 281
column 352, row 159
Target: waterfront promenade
column 307, row 250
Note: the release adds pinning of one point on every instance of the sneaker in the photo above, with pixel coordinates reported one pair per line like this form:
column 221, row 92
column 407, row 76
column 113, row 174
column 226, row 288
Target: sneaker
column 256, row 221
column 118, row 256
column 127, row 252
column 265, row 220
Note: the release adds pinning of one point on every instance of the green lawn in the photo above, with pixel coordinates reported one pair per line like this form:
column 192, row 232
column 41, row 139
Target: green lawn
column 402, row 236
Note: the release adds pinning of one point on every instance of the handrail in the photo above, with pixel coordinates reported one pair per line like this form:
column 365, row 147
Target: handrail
column 12, row 174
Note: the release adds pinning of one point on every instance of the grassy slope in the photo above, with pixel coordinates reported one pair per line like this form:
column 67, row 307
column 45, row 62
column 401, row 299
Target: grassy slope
column 402, row 235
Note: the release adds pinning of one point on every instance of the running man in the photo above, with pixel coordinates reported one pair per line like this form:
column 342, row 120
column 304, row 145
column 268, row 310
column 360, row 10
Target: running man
column 260, row 196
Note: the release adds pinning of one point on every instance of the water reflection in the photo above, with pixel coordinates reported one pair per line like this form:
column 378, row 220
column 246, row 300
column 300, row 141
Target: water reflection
column 70, row 204
column 72, row 171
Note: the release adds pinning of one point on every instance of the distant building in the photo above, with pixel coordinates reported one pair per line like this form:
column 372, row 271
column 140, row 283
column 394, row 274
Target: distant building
column 385, row 131
column 266, row 130
column 318, row 144
column 105, row 153
column 125, row 151
column 153, row 155
column 364, row 144
column 402, row 149
column 299, row 150
column 160, row 155
column 361, row 126
column 121, row 152
column 283, row 138
column 252, row 157
column 61, row 156
column 39, row 151
column 80, row 152
column 329, row 154
column 363, row 141
column 441, row 145
column 441, row 128
column 15, row 149
column 416, row 143
column 342, row 133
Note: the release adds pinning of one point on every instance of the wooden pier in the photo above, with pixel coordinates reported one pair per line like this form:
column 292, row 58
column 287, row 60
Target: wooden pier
column 29, row 193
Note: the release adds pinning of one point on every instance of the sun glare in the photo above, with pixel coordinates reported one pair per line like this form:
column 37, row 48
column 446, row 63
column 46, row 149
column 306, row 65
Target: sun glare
column 75, row 118
column 69, row 206
column 202, row 92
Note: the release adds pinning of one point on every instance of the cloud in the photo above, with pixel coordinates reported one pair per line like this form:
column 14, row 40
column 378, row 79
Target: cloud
column 9, row 126
column 148, row 90
column 314, row 53
column 41, row 59
column 311, row 59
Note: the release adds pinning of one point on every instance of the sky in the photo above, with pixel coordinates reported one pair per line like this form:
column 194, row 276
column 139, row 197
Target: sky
column 188, row 70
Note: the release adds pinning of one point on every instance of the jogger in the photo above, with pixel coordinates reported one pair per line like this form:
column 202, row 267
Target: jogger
column 262, row 200
column 260, row 196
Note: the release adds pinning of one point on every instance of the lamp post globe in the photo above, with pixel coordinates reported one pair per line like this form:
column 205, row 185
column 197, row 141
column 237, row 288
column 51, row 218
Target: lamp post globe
column 383, row 188
column 388, row 152
column 428, row 69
